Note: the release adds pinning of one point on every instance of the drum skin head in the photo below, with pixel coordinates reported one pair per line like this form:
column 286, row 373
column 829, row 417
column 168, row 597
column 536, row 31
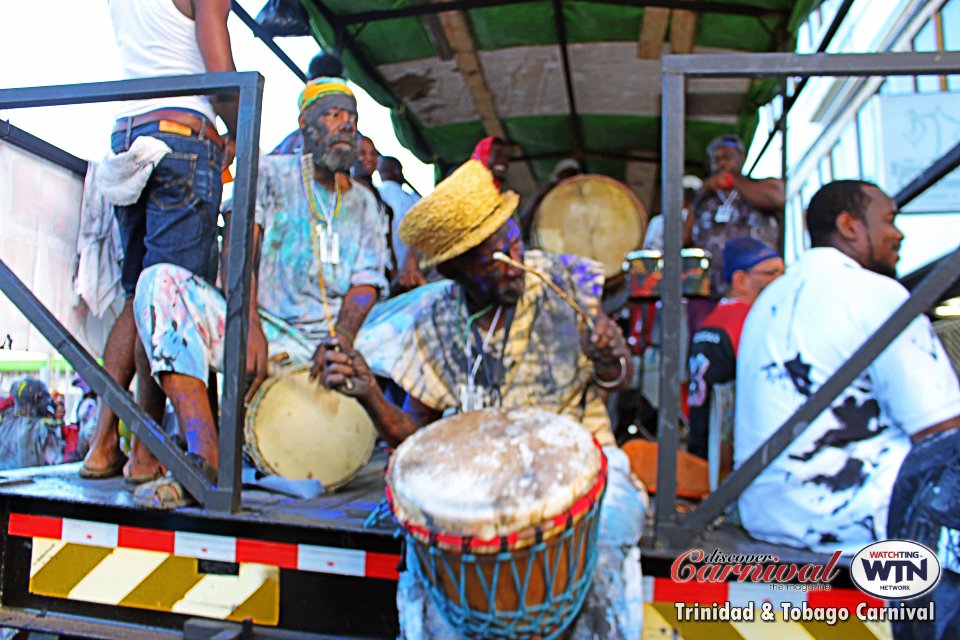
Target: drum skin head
column 592, row 216
column 492, row 472
column 297, row 429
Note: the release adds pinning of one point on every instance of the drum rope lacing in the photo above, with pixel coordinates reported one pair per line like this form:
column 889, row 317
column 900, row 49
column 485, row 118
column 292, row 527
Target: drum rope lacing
column 547, row 619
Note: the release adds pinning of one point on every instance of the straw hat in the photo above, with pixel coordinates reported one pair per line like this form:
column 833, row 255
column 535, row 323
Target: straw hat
column 463, row 211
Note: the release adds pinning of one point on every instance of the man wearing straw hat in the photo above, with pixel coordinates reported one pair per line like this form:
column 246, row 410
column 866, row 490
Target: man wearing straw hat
column 495, row 334
column 320, row 272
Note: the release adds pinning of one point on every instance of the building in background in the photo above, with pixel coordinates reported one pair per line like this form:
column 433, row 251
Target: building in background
column 884, row 130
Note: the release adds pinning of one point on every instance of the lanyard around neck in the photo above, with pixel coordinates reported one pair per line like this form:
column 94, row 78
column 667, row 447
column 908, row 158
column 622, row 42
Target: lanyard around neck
column 308, row 187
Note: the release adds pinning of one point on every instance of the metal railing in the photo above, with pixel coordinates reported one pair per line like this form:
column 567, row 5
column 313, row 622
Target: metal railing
column 670, row 528
column 225, row 494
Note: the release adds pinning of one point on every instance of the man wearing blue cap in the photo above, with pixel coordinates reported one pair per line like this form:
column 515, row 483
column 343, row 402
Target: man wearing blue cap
column 749, row 266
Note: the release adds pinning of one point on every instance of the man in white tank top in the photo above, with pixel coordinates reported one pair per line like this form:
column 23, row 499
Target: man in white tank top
column 175, row 219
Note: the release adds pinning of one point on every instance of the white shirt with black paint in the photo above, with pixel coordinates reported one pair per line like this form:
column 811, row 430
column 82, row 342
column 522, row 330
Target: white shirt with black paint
column 830, row 489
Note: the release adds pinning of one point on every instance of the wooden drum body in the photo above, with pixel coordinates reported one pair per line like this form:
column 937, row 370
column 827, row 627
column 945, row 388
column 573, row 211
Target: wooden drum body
column 592, row 216
column 500, row 509
column 297, row 429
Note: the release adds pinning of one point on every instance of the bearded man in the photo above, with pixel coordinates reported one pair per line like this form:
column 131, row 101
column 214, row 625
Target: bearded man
column 318, row 255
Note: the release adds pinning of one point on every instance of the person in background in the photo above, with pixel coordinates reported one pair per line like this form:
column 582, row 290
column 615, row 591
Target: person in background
column 408, row 275
column 748, row 267
column 654, row 237
column 831, row 488
column 322, row 65
column 492, row 152
column 731, row 204
column 86, row 416
column 30, row 436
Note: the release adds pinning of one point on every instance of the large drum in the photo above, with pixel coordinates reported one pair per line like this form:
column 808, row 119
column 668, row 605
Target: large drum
column 644, row 271
column 297, row 429
column 592, row 216
column 500, row 511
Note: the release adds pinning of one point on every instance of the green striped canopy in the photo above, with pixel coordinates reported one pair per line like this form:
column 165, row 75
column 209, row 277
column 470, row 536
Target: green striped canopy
column 408, row 57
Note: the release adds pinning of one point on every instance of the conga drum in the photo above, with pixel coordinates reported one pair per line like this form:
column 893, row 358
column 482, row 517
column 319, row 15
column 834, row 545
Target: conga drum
column 297, row 429
column 592, row 216
column 500, row 510
column 644, row 271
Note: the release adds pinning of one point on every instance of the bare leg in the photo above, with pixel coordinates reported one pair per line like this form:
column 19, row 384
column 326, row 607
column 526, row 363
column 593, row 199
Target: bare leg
column 189, row 398
column 118, row 360
column 144, row 464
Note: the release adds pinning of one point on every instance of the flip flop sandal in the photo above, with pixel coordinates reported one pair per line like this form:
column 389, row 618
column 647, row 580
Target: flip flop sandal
column 163, row 493
column 89, row 473
column 166, row 492
column 143, row 477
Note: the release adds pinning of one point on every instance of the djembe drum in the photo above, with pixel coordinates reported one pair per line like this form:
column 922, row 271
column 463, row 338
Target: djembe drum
column 500, row 509
column 297, row 429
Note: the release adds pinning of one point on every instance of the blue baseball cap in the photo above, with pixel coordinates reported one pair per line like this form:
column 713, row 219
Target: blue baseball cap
column 743, row 254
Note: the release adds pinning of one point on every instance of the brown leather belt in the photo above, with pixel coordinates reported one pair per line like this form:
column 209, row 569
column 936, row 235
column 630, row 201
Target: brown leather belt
column 176, row 121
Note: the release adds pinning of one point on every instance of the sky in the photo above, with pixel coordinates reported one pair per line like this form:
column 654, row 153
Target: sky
column 71, row 41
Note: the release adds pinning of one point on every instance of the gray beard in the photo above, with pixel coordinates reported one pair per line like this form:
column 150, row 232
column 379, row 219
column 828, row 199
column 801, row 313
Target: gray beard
column 335, row 159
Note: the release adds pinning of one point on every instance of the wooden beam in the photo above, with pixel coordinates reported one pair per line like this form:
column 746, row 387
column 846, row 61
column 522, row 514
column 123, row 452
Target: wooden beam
column 641, row 178
column 653, row 29
column 683, row 30
column 457, row 31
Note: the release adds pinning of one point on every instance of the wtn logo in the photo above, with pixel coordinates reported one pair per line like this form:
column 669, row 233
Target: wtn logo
column 903, row 570
column 895, row 569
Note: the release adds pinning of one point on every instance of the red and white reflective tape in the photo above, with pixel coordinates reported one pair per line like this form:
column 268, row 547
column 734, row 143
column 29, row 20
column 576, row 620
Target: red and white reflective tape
column 745, row 593
column 304, row 557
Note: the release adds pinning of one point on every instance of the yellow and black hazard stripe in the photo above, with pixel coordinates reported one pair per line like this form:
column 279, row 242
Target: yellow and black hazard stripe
column 153, row 580
column 161, row 570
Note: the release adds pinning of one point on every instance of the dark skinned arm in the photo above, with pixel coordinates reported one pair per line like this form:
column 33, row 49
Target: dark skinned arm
column 257, row 349
column 393, row 424
column 213, row 40
column 605, row 347
column 356, row 305
column 767, row 196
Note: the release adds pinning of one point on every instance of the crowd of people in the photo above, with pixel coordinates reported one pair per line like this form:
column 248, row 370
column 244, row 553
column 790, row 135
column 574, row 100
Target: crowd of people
column 330, row 241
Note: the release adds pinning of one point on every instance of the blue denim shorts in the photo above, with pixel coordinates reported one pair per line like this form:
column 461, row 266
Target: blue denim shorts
column 175, row 219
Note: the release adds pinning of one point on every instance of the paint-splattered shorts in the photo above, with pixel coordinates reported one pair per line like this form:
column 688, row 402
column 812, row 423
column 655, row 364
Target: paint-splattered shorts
column 181, row 319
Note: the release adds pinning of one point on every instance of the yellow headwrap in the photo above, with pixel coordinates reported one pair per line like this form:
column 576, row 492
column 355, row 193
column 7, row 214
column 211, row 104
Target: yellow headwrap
column 320, row 87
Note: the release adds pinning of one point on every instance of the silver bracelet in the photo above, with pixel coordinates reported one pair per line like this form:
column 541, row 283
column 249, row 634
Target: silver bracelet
column 613, row 384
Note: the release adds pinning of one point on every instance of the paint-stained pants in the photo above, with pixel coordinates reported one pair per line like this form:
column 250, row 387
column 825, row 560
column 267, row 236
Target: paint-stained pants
column 613, row 609
column 181, row 319
column 925, row 508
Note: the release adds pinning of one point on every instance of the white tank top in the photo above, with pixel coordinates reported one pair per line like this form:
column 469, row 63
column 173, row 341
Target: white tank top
column 155, row 39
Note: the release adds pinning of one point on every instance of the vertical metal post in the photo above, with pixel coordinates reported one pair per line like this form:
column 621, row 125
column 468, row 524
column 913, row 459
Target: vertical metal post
column 782, row 239
column 226, row 495
column 667, row 427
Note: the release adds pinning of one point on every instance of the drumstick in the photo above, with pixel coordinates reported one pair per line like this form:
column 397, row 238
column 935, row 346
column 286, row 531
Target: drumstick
column 347, row 383
column 502, row 257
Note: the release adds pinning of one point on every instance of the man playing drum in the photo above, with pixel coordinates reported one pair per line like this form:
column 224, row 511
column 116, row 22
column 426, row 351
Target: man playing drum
column 496, row 336
column 320, row 261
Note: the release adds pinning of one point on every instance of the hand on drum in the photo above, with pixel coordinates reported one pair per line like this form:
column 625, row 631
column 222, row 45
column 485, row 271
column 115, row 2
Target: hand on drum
column 605, row 346
column 347, row 365
column 331, row 343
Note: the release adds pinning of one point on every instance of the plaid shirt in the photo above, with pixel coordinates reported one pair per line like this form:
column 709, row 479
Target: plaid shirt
column 419, row 340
